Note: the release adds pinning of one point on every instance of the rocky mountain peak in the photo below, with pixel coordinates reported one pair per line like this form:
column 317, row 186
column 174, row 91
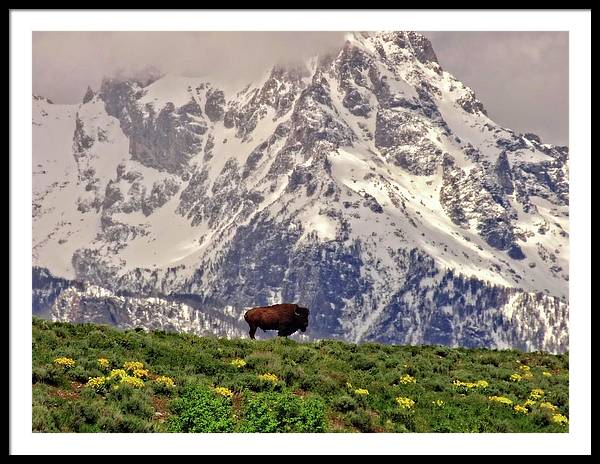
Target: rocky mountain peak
column 388, row 43
column 89, row 94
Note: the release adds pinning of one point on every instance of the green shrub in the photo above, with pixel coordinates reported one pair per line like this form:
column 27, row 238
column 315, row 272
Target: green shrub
column 363, row 362
column 201, row 410
column 319, row 382
column 99, row 339
column 49, row 375
column 361, row 420
column 274, row 412
column 162, row 389
column 42, row 420
column 293, row 374
column 80, row 374
column 344, row 403
column 112, row 420
column 131, row 401
column 259, row 417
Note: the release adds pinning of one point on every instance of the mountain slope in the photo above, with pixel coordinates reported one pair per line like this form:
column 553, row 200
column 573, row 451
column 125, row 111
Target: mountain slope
column 368, row 185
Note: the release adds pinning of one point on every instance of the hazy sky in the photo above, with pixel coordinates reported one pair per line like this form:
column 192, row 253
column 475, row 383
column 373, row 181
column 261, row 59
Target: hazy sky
column 521, row 77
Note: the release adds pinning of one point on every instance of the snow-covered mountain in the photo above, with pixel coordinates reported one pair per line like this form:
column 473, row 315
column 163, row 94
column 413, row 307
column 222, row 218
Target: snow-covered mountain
column 368, row 185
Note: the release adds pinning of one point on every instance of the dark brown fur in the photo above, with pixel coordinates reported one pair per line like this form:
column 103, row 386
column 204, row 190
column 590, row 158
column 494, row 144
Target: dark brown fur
column 285, row 318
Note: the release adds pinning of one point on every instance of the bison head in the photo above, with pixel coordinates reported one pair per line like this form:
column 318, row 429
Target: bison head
column 301, row 315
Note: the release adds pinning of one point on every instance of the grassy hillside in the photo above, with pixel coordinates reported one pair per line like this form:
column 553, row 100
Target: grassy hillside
column 193, row 384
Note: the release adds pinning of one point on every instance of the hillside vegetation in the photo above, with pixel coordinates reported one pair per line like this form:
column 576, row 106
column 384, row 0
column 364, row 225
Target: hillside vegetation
column 91, row 378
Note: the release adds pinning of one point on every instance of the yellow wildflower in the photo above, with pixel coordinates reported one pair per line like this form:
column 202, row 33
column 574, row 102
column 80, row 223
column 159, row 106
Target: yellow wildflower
column 536, row 394
column 226, row 392
column 165, row 381
column 103, row 362
column 119, row 373
column 65, row 362
column 141, row 373
column 458, row 383
column 405, row 403
column 500, row 399
column 238, row 363
column 521, row 409
column 549, row 406
column 361, row 391
column 438, row 403
column 524, row 368
column 547, row 374
column 406, row 379
column 133, row 381
column 268, row 377
column 560, row 419
column 96, row 382
column 515, row 377
column 528, row 375
column 529, row 403
column 133, row 365
column 478, row 384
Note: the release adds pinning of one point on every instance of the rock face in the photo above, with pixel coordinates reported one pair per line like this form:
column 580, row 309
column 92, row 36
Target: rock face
column 369, row 186
column 89, row 95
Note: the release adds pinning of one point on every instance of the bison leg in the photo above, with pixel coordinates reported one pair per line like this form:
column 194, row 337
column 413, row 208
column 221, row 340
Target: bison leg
column 252, row 331
column 285, row 332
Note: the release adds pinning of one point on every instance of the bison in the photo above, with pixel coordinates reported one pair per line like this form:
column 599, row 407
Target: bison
column 285, row 318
